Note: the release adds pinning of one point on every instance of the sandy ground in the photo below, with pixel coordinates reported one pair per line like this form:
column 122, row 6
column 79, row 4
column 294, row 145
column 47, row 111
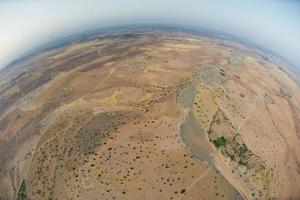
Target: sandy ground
column 137, row 116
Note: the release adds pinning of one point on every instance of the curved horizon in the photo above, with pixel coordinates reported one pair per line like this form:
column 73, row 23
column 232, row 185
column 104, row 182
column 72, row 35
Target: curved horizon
column 28, row 25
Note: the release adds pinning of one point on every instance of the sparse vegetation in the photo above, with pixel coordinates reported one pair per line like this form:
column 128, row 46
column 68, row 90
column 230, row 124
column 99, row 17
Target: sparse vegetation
column 110, row 125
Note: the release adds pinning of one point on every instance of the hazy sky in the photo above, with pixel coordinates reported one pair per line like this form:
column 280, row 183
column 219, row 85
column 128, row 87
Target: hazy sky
column 27, row 24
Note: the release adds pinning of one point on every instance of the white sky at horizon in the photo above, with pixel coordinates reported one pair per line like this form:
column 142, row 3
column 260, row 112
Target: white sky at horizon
column 27, row 24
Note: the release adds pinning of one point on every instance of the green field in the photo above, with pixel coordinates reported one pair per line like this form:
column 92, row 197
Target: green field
column 220, row 142
column 22, row 194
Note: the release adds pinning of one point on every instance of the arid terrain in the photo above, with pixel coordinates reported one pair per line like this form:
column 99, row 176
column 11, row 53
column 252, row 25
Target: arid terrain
column 150, row 114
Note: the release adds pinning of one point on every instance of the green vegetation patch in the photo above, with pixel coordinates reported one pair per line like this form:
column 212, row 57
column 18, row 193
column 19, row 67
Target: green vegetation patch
column 220, row 142
column 222, row 72
column 22, row 194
